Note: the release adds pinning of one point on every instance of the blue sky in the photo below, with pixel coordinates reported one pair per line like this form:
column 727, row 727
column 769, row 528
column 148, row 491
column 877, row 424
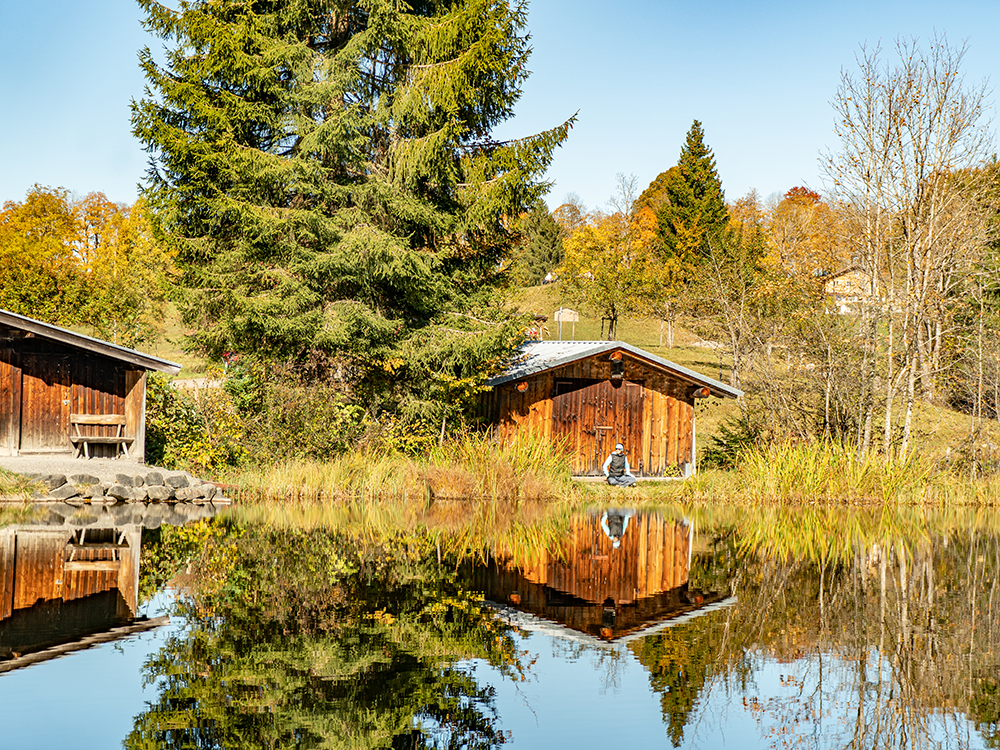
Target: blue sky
column 759, row 76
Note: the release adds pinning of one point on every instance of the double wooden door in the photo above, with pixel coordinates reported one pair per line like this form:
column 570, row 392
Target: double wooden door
column 591, row 416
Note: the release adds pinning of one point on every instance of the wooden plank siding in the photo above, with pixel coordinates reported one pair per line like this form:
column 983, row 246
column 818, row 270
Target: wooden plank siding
column 42, row 382
column 38, row 565
column 10, row 401
column 644, row 579
column 580, row 406
column 134, row 409
column 7, row 541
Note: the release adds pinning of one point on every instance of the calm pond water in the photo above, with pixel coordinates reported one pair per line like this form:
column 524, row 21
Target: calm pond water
column 699, row 627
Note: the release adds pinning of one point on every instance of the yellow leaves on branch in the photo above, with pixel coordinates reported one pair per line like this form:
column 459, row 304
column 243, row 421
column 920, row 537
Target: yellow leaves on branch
column 92, row 256
column 611, row 263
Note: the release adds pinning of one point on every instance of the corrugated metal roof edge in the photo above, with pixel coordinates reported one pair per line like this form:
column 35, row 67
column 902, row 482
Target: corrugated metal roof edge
column 89, row 343
column 599, row 347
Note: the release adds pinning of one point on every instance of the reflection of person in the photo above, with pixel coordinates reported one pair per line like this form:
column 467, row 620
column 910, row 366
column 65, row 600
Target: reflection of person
column 614, row 523
column 616, row 468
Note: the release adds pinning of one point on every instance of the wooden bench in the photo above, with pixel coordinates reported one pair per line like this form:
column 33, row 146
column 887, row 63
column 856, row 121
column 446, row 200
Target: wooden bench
column 83, row 442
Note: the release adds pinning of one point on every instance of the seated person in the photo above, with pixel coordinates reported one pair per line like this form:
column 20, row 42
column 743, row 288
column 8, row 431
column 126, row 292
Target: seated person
column 616, row 468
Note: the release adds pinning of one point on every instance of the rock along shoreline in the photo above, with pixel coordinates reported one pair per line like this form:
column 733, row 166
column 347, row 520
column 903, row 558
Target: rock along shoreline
column 62, row 479
column 153, row 486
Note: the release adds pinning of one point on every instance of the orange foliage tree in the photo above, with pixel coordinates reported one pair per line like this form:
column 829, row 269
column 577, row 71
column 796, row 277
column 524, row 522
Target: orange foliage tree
column 611, row 265
column 803, row 236
column 87, row 262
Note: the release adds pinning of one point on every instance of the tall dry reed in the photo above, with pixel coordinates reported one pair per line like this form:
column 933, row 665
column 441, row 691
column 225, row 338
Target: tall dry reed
column 825, row 472
column 469, row 467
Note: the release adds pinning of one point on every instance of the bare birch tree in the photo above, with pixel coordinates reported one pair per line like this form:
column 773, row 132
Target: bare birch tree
column 905, row 131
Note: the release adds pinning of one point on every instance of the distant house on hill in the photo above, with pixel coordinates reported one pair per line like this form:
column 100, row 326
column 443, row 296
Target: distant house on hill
column 61, row 391
column 590, row 395
column 849, row 290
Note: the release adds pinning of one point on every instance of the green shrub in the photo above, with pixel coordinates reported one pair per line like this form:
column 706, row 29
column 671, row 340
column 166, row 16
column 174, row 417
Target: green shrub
column 202, row 432
column 735, row 437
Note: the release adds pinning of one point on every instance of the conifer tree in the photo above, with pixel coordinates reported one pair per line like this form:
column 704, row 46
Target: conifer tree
column 693, row 206
column 328, row 174
column 542, row 249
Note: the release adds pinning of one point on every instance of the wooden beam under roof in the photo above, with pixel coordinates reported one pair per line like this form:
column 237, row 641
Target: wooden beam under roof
column 29, row 326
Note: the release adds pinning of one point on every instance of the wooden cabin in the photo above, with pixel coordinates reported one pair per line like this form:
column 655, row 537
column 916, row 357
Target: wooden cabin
column 600, row 589
column 66, row 589
column 590, row 395
column 57, row 385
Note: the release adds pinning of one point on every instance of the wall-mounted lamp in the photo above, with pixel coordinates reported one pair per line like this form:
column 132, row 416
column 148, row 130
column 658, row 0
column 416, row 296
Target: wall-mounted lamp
column 522, row 386
column 700, row 391
column 616, row 357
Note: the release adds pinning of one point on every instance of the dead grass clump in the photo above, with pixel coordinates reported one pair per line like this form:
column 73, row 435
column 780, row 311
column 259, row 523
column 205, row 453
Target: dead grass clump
column 811, row 472
column 15, row 488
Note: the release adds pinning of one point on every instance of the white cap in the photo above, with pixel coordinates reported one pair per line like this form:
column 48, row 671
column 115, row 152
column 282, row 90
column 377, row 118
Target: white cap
column 619, row 447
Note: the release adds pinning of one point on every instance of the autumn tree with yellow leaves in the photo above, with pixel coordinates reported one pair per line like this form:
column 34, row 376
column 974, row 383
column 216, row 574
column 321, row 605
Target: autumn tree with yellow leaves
column 89, row 262
column 39, row 273
column 612, row 266
column 803, row 236
column 126, row 269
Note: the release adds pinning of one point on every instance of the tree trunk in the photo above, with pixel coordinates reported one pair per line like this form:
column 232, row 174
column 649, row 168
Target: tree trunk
column 890, row 392
column 911, row 380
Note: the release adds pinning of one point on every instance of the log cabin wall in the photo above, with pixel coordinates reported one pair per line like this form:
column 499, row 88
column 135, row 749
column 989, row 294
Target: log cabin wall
column 40, row 565
column 644, row 579
column 651, row 412
column 42, row 382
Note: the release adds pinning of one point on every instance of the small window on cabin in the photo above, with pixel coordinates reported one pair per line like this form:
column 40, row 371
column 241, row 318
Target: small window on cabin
column 564, row 386
column 617, row 369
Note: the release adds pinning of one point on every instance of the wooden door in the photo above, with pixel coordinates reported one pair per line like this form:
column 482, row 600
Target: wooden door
column 574, row 414
column 45, row 402
column 620, row 421
column 590, row 416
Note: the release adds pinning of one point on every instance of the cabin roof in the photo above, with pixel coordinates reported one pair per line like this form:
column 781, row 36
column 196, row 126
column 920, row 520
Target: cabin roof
column 535, row 623
column 87, row 343
column 71, row 643
column 539, row 356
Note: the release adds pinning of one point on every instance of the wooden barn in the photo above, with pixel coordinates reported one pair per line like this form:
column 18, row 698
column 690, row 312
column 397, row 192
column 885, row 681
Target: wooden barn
column 590, row 395
column 596, row 590
column 64, row 589
column 61, row 391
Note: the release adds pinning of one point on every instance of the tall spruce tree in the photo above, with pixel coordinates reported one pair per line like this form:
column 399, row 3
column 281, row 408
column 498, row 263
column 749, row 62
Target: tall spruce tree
column 693, row 206
column 328, row 174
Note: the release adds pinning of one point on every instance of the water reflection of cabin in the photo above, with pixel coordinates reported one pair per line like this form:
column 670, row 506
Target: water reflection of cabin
column 591, row 395
column 48, row 374
column 64, row 589
column 600, row 591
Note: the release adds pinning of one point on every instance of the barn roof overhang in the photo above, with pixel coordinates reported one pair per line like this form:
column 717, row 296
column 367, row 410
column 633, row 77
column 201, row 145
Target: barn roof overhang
column 80, row 642
column 87, row 343
column 534, row 623
column 539, row 356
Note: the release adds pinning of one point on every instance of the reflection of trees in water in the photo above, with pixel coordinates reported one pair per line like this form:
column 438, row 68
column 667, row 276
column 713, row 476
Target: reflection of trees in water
column 683, row 658
column 894, row 645
column 307, row 639
column 680, row 661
